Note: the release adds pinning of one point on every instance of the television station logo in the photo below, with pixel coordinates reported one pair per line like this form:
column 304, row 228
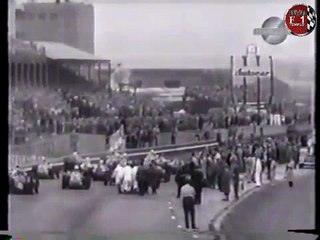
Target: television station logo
column 299, row 20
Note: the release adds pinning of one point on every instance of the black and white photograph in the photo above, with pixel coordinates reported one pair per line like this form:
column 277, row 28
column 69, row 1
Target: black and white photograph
column 161, row 119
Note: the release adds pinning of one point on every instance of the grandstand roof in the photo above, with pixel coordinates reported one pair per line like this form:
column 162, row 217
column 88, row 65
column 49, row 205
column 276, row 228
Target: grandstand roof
column 60, row 51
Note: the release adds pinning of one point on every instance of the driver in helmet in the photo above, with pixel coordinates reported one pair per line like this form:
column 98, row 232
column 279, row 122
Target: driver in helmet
column 17, row 171
column 150, row 157
column 44, row 166
column 100, row 165
column 75, row 176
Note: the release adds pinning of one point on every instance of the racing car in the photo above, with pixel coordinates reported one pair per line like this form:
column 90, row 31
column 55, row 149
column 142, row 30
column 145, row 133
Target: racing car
column 22, row 183
column 76, row 180
column 46, row 171
column 100, row 172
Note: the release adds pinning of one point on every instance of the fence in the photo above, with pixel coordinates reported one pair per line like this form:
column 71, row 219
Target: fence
column 28, row 162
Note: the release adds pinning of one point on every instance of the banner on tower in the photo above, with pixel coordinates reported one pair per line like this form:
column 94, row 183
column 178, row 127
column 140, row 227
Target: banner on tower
column 250, row 66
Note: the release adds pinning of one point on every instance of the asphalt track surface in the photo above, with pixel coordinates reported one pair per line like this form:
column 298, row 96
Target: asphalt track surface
column 269, row 213
column 100, row 211
column 97, row 213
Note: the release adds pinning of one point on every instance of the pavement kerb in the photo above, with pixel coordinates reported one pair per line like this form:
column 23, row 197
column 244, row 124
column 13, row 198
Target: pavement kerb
column 216, row 222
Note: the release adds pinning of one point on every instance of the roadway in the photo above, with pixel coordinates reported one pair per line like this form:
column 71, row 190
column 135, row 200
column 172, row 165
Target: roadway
column 100, row 211
column 269, row 213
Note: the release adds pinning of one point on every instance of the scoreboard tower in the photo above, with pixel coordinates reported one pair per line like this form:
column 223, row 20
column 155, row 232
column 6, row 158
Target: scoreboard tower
column 249, row 69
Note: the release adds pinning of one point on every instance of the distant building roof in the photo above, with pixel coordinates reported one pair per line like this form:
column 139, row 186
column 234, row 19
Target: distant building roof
column 60, row 51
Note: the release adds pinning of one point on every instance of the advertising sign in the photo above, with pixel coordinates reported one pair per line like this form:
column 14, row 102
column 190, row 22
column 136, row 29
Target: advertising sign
column 250, row 66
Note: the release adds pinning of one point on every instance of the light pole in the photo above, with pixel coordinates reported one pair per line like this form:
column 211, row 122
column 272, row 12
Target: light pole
column 271, row 78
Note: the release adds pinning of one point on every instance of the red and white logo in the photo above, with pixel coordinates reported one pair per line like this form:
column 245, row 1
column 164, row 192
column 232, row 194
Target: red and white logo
column 300, row 19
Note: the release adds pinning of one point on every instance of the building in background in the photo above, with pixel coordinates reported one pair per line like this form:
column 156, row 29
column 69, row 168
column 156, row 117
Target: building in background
column 11, row 19
column 65, row 22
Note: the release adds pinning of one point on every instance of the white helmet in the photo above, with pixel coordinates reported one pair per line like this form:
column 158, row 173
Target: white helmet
column 75, row 154
column 76, row 167
column 101, row 161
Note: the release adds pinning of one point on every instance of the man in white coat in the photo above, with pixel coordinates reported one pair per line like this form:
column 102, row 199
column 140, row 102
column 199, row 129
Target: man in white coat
column 118, row 174
column 257, row 171
column 127, row 178
column 134, row 177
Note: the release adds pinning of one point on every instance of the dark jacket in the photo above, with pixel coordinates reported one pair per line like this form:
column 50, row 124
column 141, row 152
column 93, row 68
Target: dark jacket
column 226, row 177
column 235, row 172
column 142, row 174
column 180, row 176
column 153, row 176
column 196, row 178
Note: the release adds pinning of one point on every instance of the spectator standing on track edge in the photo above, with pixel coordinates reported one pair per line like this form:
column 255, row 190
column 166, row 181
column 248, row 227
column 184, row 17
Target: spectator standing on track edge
column 289, row 172
column 188, row 194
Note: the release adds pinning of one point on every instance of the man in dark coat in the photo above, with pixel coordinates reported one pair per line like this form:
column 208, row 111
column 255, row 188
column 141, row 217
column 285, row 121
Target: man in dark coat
column 180, row 179
column 214, row 173
column 226, row 177
column 35, row 179
column 153, row 178
column 197, row 181
column 220, row 171
column 142, row 179
column 235, row 178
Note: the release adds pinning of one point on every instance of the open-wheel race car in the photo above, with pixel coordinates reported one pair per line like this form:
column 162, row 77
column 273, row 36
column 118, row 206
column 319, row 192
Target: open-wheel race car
column 101, row 172
column 22, row 183
column 46, row 171
column 76, row 180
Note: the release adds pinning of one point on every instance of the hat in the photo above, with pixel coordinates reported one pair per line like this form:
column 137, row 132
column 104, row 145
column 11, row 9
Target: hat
column 76, row 167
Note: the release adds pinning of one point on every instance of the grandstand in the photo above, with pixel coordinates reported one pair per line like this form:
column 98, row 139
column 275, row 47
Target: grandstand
column 40, row 63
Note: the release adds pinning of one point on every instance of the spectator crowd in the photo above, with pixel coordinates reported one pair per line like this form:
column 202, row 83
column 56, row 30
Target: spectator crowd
column 40, row 112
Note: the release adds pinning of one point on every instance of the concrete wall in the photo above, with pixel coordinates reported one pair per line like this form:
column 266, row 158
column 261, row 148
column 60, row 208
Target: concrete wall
column 60, row 145
column 89, row 143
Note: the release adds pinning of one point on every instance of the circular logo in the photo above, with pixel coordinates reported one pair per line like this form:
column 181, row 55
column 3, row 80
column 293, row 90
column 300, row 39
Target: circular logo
column 274, row 37
column 300, row 19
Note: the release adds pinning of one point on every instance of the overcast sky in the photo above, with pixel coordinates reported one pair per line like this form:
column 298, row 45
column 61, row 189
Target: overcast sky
column 189, row 34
